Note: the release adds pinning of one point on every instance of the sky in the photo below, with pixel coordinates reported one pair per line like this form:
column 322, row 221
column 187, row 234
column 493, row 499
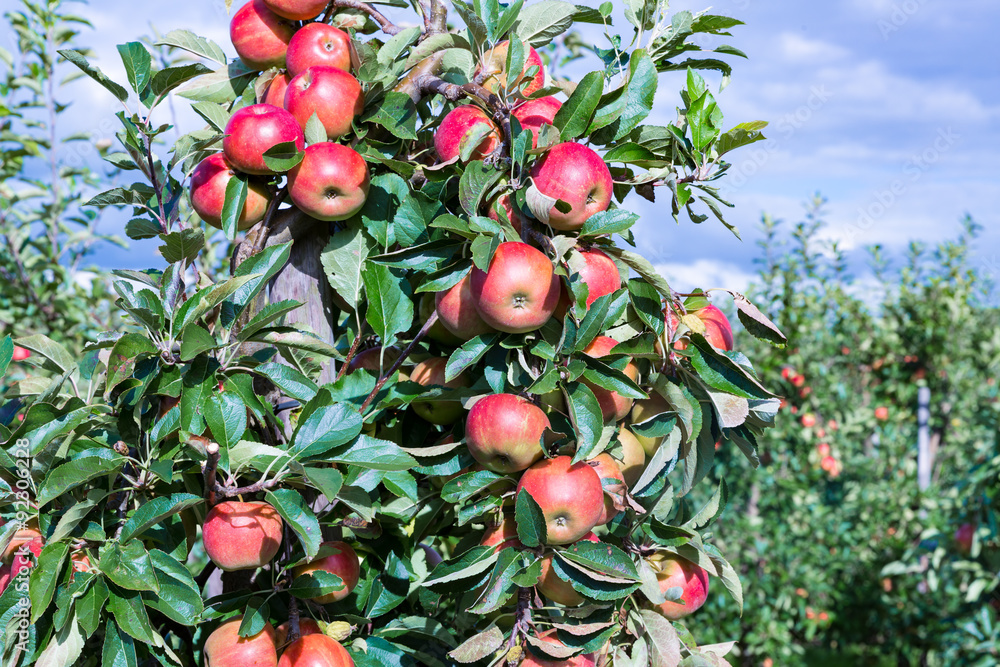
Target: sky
column 890, row 108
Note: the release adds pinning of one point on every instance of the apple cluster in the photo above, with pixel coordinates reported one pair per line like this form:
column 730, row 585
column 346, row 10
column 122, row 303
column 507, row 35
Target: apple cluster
column 331, row 181
column 22, row 553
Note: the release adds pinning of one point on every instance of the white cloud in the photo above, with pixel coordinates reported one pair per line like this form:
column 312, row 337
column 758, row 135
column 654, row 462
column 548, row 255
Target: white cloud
column 705, row 274
column 798, row 49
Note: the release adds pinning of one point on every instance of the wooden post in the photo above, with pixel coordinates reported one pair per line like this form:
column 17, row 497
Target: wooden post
column 925, row 458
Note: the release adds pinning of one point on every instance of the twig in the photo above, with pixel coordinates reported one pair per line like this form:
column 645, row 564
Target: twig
column 431, row 321
column 294, row 632
column 211, row 466
column 387, row 26
column 232, row 491
column 265, row 228
column 350, row 355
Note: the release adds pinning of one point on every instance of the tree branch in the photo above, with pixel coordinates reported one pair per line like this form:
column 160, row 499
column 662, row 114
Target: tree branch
column 431, row 321
column 387, row 26
column 211, row 467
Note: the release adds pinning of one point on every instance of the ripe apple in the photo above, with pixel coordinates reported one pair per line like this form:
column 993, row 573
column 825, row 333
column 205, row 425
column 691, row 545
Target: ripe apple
column 675, row 572
column 823, row 449
column 808, row 420
column 963, row 537
column 718, row 331
column 881, row 413
column 373, row 361
column 28, row 535
column 520, row 291
column 614, row 406
column 633, row 460
column 502, row 535
column 331, row 183
column 255, row 129
column 494, row 63
column 456, row 309
column 531, row 660
column 570, row 495
column 332, row 94
column 339, row 559
column 577, row 175
column 430, row 373
column 505, row 203
column 297, row 10
column 20, row 354
column 504, row 432
column 225, row 648
column 22, row 557
column 438, row 332
column 319, row 45
column 260, row 36
column 316, row 651
column 460, row 123
column 208, row 193
column 274, row 94
column 607, row 467
column 535, row 113
column 599, row 273
column 644, row 410
column 307, row 626
column 242, row 536
column 554, row 588
column 5, row 577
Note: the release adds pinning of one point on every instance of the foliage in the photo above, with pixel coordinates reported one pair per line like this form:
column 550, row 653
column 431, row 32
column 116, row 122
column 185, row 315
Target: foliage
column 854, row 560
column 220, row 389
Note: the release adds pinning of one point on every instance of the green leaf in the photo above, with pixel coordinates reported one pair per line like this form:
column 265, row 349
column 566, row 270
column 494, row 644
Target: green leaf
column 45, row 577
column 6, row 353
column 209, row 297
column 390, row 302
column 588, row 422
column 236, row 199
column 323, row 425
column 637, row 100
column 179, row 597
column 183, row 246
column 75, row 473
column 226, row 416
column 573, row 118
column 722, row 373
column 541, row 22
column 170, row 78
column 613, row 221
column 282, row 157
column 61, row 360
column 315, row 584
column 344, row 260
column 373, row 454
column 200, row 46
column 155, row 511
column 128, row 566
column 663, row 639
column 468, row 354
column 315, row 130
column 130, row 614
column 288, row 380
column 119, row 648
column 397, row 113
column 475, row 184
column 94, row 73
column 261, row 268
column 648, row 305
column 434, row 43
column 222, row 86
column 137, row 63
column 743, row 134
column 293, row 508
column 195, row 341
column 530, row 519
column 139, row 229
column 756, row 323
column 480, row 646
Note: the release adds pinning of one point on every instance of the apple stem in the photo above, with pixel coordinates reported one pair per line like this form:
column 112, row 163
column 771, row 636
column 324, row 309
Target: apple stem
column 431, row 321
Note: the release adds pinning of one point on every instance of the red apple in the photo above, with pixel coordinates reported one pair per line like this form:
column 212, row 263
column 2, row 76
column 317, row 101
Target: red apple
column 676, row 572
column 808, row 420
column 535, row 113
column 275, row 92
column 316, row 651
column 881, row 413
column 22, row 557
column 554, row 588
column 644, row 410
column 430, row 373
column 520, row 291
column 307, row 626
column 255, row 129
column 460, row 123
column 374, row 361
column 339, row 559
column 331, row 183
column 570, row 495
column 532, row 660
column 225, row 648
column 260, row 36
column 577, row 175
column 319, row 45
column 823, row 449
column 607, row 467
column 208, row 193
column 494, row 63
column 614, row 406
column 502, row 535
column 28, row 535
column 964, row 536
column 20, row 354
column 504, row 432
column 505, row 203
column 242, row 536
column 599, row 273
column 798, row 380
column 5, row 577
column 332, row 94
column 297, row 10
column 438, row 332
column 718, row 332
column 456, row 309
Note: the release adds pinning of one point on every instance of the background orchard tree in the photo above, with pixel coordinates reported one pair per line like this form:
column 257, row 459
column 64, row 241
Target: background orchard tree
column 434, row 413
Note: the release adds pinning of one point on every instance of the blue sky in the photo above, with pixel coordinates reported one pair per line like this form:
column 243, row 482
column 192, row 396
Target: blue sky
column 891, row 108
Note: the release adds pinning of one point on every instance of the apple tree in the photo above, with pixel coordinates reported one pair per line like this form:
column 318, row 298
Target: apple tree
column 431, row 409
